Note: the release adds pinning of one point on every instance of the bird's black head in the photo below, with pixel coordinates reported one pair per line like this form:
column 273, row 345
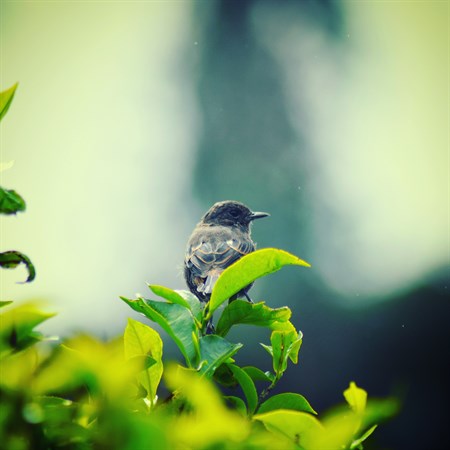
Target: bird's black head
column 231, row 213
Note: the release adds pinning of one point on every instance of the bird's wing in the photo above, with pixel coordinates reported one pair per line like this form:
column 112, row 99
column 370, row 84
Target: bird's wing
column 209, row 254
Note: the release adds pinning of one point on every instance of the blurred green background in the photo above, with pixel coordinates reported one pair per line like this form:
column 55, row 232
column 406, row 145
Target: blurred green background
column 132, row 118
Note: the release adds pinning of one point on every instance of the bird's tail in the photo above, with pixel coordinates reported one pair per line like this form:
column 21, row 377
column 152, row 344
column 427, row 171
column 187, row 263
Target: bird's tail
column 207, row 286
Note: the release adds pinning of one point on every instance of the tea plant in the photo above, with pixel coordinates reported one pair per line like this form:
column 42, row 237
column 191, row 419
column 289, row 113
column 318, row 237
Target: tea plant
column 82, row 393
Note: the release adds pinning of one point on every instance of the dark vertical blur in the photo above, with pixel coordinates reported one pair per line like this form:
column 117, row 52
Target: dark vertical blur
column 249, row 152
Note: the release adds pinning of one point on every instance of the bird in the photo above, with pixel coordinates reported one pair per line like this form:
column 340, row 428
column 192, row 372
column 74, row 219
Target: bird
column 222, row 236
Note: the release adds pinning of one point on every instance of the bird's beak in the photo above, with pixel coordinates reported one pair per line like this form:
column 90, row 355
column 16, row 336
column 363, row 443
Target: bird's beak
column 258, row 215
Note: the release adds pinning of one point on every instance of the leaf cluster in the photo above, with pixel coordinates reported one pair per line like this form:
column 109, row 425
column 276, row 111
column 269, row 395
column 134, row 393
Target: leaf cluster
column 11, row 202
column 82, row 393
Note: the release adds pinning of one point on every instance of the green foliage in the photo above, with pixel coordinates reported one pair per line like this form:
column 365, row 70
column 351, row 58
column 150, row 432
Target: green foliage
column 11, row 203
column 83, row 393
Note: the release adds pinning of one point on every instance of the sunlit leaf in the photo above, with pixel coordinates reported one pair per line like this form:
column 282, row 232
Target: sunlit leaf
column 356, row 398
column 211, row 421
column 302, row 428
column 174, row 319
column 6, row 98
column 248, row 387
column 286, row 400
column 246, row 270
column 215, row 350
column 169, row 294
column 141, row 340
column 18, row 327
column 18, row 369
column 259, row 314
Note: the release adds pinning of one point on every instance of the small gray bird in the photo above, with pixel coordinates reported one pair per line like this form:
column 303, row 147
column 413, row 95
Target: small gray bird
column 219, row 239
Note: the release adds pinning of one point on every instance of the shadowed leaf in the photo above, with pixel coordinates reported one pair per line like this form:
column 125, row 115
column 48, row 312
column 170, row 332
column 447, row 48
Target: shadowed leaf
column 11, row 259
column 215, row 350
column 248, row 387
column 11, row 202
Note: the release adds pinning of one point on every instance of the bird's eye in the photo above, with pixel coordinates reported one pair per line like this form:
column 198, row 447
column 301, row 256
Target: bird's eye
column 235, row 213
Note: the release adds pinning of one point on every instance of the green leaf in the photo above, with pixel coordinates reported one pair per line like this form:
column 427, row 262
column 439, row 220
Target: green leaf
column 17, row 327
column 248, row 387
column 246, row 270
column 169, row 294
column 194, row 303
column 302, row 428
column 6, row 99
column 141, row 340
column 257, row 374
column 236, row 403
column 12, row 258
column 285, row 345
column 287, row 400
column 212, row 422
column 174, row 319
column 356, row 398
column 215, row 350
column 240, row 311
column 357, row 443
column 11, row 202
column 5, row 303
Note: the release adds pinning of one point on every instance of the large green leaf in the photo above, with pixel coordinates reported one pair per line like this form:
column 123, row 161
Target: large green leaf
column 248, row 387
column 11, row 202
column 6, row 99
column 215, row 350
column 246, row 270
column 174, row 319
column 141, row 340
column 287, row 400
column 259, row 314
column 11, row 259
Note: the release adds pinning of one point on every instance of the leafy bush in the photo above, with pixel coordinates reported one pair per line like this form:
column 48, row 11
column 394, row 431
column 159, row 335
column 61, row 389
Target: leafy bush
column 83, row 393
